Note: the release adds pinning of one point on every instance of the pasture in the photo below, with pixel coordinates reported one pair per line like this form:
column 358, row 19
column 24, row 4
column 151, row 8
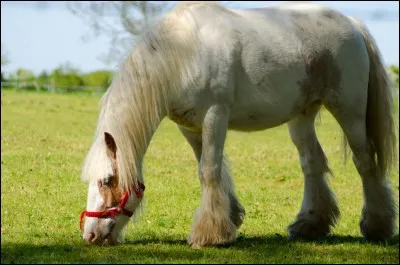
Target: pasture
column 45, row 138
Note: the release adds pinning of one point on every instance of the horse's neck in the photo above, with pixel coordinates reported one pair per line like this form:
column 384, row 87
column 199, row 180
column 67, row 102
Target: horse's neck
column 145, row 143
column 137, row 131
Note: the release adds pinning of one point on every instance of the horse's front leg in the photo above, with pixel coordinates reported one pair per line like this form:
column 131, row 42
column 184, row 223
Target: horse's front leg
column 212, row 224
column 319, row 211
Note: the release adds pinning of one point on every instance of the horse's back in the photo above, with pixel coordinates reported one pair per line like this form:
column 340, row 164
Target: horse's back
column 275, row 60
column 302, row 22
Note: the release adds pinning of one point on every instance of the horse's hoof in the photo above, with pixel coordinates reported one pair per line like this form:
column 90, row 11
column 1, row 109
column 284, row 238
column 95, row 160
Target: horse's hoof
column 293, row 236
column 195, row 246
column 192, row 244
column 376, row 232
column 311, row 225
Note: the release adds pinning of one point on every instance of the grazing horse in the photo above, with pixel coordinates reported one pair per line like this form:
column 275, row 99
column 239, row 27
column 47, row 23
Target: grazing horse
column 210, row 69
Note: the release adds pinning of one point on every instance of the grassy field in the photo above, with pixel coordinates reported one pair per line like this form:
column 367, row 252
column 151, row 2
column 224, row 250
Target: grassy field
column 45, row 138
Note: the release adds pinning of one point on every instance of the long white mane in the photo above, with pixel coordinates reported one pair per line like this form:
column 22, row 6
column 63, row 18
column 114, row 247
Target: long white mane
column 138, row 97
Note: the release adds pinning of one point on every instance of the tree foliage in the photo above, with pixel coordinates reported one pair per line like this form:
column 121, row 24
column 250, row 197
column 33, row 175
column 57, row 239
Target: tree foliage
column 120, row 21
column 99, row 79
column 4, row 61
column 395, row 70
column 66, row 76
column 22, row 74
column 43, row 78
column 4, row 57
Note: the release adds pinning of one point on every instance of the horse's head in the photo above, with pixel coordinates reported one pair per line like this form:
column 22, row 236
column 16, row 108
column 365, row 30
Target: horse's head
column 109, row 206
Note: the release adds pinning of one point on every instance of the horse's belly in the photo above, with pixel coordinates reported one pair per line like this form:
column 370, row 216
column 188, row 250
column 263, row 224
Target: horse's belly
column 260, row 108
column 258, row 120
column 254, row 107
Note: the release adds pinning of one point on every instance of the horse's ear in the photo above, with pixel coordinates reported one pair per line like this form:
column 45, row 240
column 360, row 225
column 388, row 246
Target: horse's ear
column 111, row 145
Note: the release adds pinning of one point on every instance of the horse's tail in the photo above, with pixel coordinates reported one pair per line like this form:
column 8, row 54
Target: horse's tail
column 379, row 117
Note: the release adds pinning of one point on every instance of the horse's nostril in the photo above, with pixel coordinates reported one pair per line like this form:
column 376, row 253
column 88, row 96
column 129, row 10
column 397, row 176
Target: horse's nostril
column 112, row 224
column 91, row 236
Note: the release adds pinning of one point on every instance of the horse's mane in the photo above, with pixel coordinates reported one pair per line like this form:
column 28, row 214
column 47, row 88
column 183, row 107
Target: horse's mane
column 137, row 99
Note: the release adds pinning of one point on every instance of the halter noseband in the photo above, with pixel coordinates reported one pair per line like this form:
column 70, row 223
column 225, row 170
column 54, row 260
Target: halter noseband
column 120, row 209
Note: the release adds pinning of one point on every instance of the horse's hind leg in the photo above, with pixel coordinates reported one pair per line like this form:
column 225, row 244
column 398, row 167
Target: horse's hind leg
column 378, row 213
column 237, row 211
column 319, row 210
column 220, row 212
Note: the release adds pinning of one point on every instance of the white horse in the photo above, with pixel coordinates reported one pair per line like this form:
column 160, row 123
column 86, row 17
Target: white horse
column 210, row 69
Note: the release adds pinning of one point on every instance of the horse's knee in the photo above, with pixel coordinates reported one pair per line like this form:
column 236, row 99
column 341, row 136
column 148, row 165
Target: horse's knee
column 211, row 176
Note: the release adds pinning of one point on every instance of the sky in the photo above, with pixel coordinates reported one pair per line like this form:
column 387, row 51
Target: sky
column 44, row 37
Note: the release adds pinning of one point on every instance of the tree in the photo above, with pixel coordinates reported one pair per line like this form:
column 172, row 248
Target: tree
column 66, row 76
column 4, row 57
column 395, row 71
column 43, row 78
column 122, row 21
column 98, row 79
column 4, row 61
column 24, row 75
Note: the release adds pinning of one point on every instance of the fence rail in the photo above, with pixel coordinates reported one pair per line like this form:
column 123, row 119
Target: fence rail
column 98, row 90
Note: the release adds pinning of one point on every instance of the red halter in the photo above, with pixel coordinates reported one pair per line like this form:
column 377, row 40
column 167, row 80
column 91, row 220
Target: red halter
column 115, row 210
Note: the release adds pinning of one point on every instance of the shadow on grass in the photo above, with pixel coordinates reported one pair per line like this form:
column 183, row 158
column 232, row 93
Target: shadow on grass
column 245, row 241
column 246, row 249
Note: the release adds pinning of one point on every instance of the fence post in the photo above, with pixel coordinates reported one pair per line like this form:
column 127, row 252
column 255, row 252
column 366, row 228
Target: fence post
column 17, row 85
column 36, row 84
column 53, row 85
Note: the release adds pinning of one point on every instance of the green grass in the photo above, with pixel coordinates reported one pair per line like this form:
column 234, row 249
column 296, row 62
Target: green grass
column 45, row 138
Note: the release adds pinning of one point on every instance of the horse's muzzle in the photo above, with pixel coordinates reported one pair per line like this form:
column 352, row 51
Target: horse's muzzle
column 92, row 238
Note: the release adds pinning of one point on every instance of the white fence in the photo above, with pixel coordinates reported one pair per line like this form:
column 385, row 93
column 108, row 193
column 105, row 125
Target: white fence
column 96, row 90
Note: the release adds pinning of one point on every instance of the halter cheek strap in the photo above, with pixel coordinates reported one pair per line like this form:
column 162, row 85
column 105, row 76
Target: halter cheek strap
column 120, row 209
